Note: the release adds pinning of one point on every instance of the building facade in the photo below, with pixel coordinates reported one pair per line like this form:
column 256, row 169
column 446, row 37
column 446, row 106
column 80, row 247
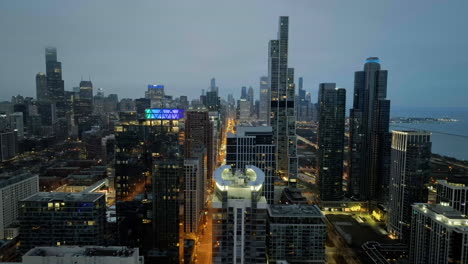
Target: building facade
column 55, row 219
column 239, row 216
column 254, row 146
column 264, row 112
column 453, row 192
column 331, row 130
column 369, row 138
column 296, row 234
column 13, row 188
column 283, row 116
column 439, row 235
column 410, row 170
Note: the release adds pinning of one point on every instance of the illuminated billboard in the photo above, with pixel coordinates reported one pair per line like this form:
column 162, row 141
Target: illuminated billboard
column 164, row 114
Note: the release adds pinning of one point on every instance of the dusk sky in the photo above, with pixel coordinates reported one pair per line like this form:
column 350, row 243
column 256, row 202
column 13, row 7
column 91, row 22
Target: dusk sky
column 125, row 45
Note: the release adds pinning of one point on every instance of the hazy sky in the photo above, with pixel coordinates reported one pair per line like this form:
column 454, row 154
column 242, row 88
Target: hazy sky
column 124, row 45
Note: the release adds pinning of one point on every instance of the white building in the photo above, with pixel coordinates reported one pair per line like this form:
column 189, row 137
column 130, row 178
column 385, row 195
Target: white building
column 244, row 110
column 14, row 188
column 453, row 193
column 239, row 216
column 83, row 255
column 439, row 235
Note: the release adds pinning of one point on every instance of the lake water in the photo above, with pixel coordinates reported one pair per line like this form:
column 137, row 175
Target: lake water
column 447, row 145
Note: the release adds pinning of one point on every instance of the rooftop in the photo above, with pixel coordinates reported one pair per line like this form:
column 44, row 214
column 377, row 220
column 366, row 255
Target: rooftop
column 12, row 178
column 443, row 214
column 295, row 210
column 89, row 251
column 63, row 196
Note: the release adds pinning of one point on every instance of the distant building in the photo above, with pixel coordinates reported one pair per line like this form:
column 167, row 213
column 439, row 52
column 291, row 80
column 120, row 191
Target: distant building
column 439, row 235
column 55, row 83
column 156, row 94
column 296, row 233
column 331, row 130
column 369, row 137
column 17, row 123
column 13, row 188
column 411, row 155
column 239, row 216
column 8, row 144
column 244, row 110
column 253, row 146
column 41, row 87
column 83, row 255
column 57, row 219
column 283, row 116
column 454, row 193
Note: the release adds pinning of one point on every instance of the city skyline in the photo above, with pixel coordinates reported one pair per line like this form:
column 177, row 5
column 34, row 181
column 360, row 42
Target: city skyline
column 408, row 43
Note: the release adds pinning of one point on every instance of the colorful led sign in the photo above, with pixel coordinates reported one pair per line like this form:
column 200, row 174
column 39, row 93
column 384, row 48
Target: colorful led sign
column 164, row 114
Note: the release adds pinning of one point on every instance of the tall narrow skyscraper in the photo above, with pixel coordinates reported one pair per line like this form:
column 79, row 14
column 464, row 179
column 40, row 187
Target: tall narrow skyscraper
column 332, row 107
column 369, row 139
column 283, row 117
column 41, row 87
column 264, row 111
column 410, row 170
column 55, row 83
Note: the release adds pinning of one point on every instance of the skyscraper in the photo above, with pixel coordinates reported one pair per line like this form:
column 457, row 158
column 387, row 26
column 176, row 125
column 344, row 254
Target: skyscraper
column 439, row 235
column 244, row 92
column 454, row 192
column 239, row 216
column 41, row 87
column 264, row 112
column 199, row 135
column 213, row 87
column 55, row 84
column 369, row 139
column 254, row 146
column 331, row 129
column 250, row 98
column 283, row 117
column 410, row 169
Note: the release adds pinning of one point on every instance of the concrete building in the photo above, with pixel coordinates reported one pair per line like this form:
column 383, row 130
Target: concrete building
column 239, row 216
column 13, row 188
column 83, row 255
column 439, row 235
column 331, row 130
column 56, row 219
column 283, row 116
column 369, row 137
column 253, row 146
column 455, row 193
column 296, row 233
column 410, row 170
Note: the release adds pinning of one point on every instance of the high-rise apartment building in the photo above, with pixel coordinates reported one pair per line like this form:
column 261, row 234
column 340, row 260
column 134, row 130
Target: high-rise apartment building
column 239, row 216
column 244, row 110
column 8, row 144
column 264, row 112
column 13, row 188
column 55, row 219
column 331, row 129
column 369, row 139
column 253, row 146
column 296, row 234
column 199, row 135
column 410, row 170
column 194, row 192
column 453, row 192
column 138, row 142
column 283, row 117
column 439, row 235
